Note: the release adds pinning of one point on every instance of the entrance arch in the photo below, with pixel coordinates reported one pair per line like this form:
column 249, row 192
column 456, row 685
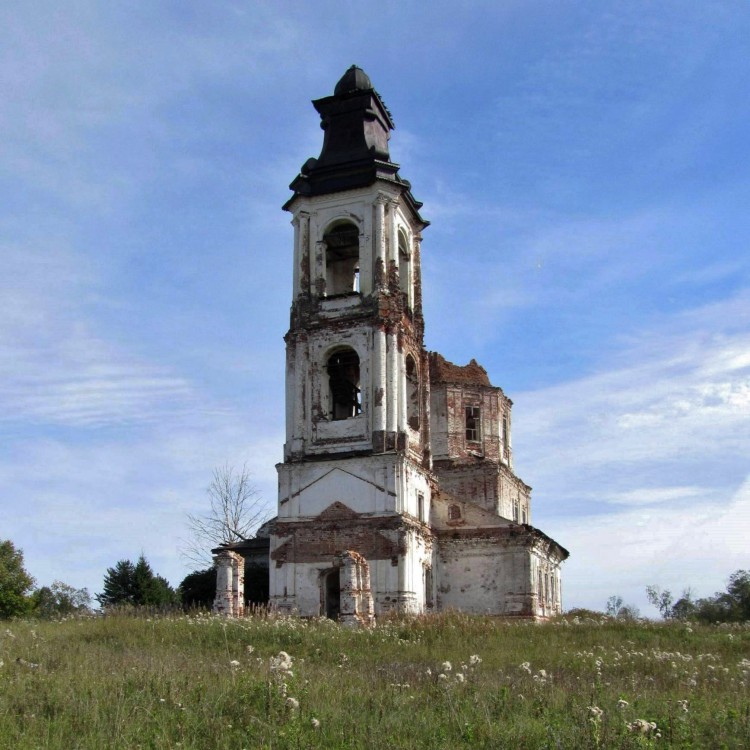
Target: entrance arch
column 331, row 590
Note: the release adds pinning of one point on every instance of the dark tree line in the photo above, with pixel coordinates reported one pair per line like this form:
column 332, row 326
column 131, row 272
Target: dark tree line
column 18, row 596
column 135, row 584
column 732, row 605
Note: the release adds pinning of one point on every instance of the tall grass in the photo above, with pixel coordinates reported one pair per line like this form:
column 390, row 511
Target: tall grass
column 447, row 681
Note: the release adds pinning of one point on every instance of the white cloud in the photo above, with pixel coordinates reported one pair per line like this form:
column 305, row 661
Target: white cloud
column 676, row 548
column 656, row 495
column 641, row 470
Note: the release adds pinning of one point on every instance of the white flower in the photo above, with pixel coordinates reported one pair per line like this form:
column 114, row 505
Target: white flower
column 249, row 649
column 683, row 705
column 234, row 664
column 596, row 712
column 442, row 676
column 622, row 704
column 315, row 723
column 526, row 667
column 474, row 660
column 460, row 677
column 446, row 666
column 292, row 704
column 641, row 726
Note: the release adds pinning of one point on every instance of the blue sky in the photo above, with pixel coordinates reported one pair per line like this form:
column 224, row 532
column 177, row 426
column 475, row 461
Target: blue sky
column 584, row 166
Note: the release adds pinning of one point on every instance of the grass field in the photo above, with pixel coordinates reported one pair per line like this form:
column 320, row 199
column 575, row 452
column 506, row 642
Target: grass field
column 449, row 681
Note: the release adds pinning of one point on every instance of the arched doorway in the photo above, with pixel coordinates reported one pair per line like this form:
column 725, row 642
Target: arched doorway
column 332, row 593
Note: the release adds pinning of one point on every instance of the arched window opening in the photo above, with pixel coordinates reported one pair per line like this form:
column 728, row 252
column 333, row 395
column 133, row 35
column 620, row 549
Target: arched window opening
column 412, row 393
column 342, row 259
column 454, row 512
column 404, row 267
column 343, row 379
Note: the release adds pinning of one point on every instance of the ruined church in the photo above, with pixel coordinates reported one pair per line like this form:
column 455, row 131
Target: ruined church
column 397, row 492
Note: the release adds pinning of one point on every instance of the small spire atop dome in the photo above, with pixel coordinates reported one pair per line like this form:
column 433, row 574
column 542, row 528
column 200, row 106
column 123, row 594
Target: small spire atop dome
column 355, row 79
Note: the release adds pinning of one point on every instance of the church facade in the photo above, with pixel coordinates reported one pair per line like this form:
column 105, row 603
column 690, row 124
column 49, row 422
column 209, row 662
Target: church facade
column 397, row 491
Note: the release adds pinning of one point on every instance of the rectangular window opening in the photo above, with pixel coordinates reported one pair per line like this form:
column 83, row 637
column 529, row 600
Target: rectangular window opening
column 473, row 424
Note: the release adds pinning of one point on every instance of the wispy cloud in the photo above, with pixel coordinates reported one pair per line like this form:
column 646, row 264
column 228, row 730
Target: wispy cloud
column 642, row 468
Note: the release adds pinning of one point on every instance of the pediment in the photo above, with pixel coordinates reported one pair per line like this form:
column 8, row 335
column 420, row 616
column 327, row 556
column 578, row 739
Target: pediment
column 337, row 512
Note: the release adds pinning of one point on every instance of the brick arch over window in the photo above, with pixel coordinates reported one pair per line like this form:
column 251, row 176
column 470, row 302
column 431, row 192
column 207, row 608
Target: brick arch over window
column 345, row 394
column 342, row 258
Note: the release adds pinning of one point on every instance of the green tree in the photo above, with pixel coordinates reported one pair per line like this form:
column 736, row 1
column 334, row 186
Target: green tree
column 685, row 608
column 198, row 589
column 15, row 582
column 732, row 605
column 135, row 585
column 119, row 585
column 59, row 600
column 662, row 600
column 151, row 589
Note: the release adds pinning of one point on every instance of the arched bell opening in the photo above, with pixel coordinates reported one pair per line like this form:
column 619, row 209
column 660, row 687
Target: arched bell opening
column 342, row 259
column 344, row 386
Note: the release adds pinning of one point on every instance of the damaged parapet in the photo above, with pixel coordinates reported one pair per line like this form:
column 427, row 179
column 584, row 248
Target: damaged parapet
column 357, row 607
column 230, row 584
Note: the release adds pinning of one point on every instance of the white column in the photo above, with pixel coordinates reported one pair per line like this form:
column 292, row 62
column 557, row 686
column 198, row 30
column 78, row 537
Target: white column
column 379, row 247
column 392, row 232
column 379, row 396
column 238, row 585
column 392, row 389
column 224, row 585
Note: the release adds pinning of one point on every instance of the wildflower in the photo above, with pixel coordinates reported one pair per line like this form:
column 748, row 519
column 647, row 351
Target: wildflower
column 446, row 666
column 474, row 660
column 622, row 704
column 683, row 705
column 596, row 712
column 315, row 723
column 281, row 665
column 429, row 672
column 641, row 726
column 234, row 664
column 526, row 667
column 249, row 649
column 292, row 703
column 460, row 677
column 442, row 676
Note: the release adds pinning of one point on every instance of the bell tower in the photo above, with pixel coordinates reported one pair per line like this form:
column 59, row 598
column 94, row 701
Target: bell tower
column 356, row 475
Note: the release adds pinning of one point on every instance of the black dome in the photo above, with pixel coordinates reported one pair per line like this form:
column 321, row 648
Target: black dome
column 355, row 79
